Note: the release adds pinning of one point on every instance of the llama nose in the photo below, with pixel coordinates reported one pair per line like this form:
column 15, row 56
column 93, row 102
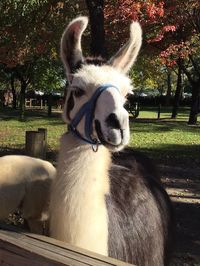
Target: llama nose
column 117, row 124
column 115, row 134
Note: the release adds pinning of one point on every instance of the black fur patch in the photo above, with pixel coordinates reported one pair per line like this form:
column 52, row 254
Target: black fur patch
column 74, row 67
column 139, row 211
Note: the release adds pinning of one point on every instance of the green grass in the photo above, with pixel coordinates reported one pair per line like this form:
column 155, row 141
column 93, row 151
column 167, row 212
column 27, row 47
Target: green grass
column 167, row 141
column 12, row 131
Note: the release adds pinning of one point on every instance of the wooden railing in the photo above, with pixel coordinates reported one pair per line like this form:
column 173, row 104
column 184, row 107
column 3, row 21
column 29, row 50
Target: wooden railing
column 26, row 249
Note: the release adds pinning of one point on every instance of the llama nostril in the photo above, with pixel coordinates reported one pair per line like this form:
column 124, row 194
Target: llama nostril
column 112, row 121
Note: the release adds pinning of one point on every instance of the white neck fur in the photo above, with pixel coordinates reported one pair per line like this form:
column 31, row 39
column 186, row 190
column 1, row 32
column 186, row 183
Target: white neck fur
column 78, row 207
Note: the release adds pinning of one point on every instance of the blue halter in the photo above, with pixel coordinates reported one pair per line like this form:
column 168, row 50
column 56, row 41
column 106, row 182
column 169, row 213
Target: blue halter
column 88, row 110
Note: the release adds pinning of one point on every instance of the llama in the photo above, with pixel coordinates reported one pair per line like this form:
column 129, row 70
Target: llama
column 25, row 185
column 118, row 210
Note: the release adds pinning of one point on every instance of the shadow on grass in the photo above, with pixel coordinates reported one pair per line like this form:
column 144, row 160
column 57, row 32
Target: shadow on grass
column 52, row 122
column 18, row 149
column 164, row 109
column 187, row 156
column 162, row 125
column 30, row 114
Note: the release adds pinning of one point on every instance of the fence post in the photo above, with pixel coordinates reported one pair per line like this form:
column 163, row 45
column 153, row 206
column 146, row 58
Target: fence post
column 44, row 132
column 36, row 143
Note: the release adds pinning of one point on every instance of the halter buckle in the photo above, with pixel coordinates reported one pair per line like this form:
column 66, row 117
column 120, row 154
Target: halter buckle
column 95, row 146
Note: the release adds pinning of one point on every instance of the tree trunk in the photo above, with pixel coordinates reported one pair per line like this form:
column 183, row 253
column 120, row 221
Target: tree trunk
column 14, row 103
column 169, row 88
column 177, row 96
column 191, row 75
column 22, row 100
column 195, row 105
column 50, row 101
column 95, row 8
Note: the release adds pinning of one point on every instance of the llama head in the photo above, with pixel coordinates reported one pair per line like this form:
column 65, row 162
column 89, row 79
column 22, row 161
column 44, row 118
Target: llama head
column 95, row 110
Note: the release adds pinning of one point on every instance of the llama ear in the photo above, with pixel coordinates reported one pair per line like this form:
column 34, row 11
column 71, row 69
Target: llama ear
column 126, row 56
column 71, row 52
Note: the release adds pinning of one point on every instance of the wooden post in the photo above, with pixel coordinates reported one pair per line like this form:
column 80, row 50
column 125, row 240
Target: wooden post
column 35, row 144
column 44, row 132
column 50, row 102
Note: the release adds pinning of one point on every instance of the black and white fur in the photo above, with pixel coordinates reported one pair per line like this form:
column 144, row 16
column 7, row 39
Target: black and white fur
column 113, row 206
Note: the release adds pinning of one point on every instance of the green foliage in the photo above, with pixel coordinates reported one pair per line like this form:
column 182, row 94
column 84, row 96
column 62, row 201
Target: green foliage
column 30, row 34
column 32, row 28
column 48, row 76
column 4, row 78
column 149, row 74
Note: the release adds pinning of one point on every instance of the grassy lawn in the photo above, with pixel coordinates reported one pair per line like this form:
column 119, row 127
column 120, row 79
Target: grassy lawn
column 167, row 141
column 12, row 131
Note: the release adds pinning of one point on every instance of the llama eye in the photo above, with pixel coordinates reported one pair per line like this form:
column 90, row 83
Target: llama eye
column 78, row 92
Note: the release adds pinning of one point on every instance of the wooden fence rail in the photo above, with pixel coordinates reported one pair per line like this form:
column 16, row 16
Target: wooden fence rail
column 26, row 249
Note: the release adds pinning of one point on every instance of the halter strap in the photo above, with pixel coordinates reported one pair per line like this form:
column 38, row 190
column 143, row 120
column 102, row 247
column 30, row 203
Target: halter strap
column 88, row 110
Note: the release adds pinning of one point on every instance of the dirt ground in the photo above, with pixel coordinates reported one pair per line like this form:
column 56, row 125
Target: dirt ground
column 183, row 186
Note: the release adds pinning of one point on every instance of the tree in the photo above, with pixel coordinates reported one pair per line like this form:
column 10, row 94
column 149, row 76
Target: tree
column 184, row 48
column 8, row 81
column 49, row 77
column 177, row 94
column 171, row 33
column 30, row 30
column 97, row 33
column 148, row 74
